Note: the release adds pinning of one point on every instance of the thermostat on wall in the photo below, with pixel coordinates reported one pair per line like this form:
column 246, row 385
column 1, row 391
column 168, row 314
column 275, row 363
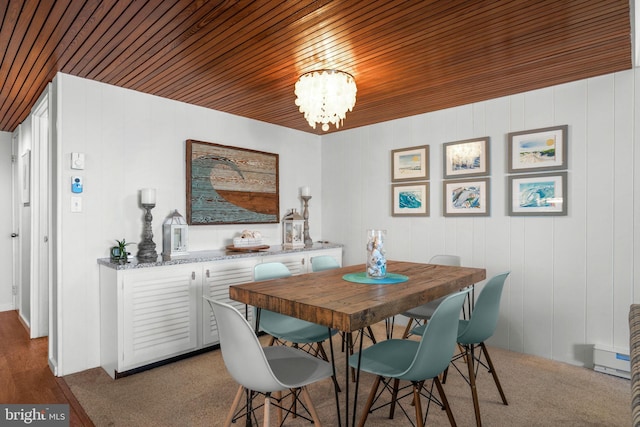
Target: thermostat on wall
column 76, row 184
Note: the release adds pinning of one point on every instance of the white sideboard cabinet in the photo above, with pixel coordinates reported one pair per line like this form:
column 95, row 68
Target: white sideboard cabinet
column 153, row 312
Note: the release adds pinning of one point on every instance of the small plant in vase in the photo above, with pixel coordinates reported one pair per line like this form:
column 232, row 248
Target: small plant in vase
column 119, row 253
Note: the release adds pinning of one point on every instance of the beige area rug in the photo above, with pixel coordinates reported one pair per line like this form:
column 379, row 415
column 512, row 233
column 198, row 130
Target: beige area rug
column 198, row 392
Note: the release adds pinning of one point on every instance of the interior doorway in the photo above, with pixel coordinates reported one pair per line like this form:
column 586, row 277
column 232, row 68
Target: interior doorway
column 32, row 219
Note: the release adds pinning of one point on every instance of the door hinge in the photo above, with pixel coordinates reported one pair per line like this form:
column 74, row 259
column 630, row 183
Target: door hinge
column 14, row 158
column 14, row 290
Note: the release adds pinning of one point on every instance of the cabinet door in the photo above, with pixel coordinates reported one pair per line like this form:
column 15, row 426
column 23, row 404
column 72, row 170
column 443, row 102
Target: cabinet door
column 159, row 314
column 217, row 277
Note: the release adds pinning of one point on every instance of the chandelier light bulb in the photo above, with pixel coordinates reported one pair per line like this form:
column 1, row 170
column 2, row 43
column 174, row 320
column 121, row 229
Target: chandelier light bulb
column 325, row 96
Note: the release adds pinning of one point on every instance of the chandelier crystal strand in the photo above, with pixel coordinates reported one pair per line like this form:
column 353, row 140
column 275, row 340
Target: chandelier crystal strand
column 325, row 96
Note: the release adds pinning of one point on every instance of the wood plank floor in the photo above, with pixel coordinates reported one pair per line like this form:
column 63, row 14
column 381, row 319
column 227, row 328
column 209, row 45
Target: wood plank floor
column 25, row 376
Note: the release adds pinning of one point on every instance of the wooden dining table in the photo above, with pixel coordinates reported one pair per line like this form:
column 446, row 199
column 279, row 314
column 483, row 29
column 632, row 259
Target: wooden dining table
column 326, row 298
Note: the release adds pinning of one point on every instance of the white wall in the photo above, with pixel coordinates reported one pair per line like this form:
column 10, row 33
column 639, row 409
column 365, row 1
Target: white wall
column 132, row 141
column 6, row 228
column 572, row 278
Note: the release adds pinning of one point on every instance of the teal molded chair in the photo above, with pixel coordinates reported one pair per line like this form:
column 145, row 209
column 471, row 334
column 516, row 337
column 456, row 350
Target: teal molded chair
column 423, row 313
column 474, row 332
column 414, row 361
column 286, row 328
column 264, row 370
column 323, row 262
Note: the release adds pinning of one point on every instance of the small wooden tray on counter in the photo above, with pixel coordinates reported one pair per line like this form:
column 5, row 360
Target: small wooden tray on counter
column 247, row 248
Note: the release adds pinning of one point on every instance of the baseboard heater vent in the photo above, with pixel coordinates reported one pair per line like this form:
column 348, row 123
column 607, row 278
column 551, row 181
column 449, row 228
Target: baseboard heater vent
column 612, row 361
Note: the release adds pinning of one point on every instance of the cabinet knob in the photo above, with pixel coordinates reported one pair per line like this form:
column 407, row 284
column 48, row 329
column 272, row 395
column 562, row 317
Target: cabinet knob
column 193, row 275
column 208, row 273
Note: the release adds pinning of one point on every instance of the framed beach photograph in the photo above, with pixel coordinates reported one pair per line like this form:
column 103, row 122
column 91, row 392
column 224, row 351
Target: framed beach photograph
column 410, row 164
column 465, row 158
column 410, row 199
column 538, row 150
column 231, row 185
column 538, row 194
column 468, row 197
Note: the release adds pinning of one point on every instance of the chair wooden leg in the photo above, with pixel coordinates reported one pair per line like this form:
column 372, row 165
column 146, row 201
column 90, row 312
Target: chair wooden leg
column 472, row 383
column 279, row 398
column 418, row 404
column 394, row 397
column 312, row 410
column 267, row 411
column 445, row 402
column 405, row 334
column 372, row 396
column 234, row 406
column 493, row 373
column 271, row 341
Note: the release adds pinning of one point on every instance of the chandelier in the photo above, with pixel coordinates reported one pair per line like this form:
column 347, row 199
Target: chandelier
column 325, row 96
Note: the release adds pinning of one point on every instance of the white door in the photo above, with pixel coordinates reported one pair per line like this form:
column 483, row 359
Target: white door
column 40, row 218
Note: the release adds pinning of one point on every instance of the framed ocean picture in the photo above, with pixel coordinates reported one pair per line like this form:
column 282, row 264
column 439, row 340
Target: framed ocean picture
column 538, row 149
column 410, row 199
column 230, row 185
column 466, row 197
column 538, row 194
column 466, row 158
column 410, row 164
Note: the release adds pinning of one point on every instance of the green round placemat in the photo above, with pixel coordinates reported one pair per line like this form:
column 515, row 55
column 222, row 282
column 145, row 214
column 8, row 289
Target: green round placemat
column 362, row 278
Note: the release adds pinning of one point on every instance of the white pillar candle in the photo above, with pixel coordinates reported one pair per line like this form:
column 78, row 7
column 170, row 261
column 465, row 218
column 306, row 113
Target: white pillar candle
column 148, row 196
column 305, row 191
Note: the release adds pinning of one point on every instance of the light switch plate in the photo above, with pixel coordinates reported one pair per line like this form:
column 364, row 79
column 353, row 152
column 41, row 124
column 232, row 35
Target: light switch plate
column 77, row 160
column 76, row 204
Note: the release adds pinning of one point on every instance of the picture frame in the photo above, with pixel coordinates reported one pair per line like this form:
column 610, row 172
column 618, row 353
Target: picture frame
column 231, row 185
column 536, row 150
column 469, row 157
column 466, row 197
column 538, row 194
column 410, row 199
column 410, row 164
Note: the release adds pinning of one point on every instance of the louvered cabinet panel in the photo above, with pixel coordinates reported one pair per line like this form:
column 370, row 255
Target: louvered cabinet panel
column 217, row 277
column 159, row 314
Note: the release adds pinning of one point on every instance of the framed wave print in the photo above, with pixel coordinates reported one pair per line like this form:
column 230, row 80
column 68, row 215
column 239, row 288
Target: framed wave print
column 230, row 185
column 538, row 194
column 468, row 197
column 410, row 199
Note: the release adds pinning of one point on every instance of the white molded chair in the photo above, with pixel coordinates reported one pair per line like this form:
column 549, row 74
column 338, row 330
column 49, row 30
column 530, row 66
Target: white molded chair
column 423, row 313
column 264, row 370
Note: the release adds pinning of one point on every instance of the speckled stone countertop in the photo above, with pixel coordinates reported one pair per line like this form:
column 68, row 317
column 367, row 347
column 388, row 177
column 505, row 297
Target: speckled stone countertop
column 213, row 255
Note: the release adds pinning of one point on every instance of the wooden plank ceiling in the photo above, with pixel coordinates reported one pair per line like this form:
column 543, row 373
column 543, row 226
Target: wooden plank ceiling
column 244, row 57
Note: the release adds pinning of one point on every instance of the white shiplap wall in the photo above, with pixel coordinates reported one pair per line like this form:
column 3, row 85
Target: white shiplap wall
column 572, row 277
column 132, row 141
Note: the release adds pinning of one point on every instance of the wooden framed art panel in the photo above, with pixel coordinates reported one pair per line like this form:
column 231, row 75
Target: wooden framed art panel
column 538, row 194
column 466, row 158
column 231, row 185
column 410, row 164
column 466, row 197
column 537, row 150
column 410, row 199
